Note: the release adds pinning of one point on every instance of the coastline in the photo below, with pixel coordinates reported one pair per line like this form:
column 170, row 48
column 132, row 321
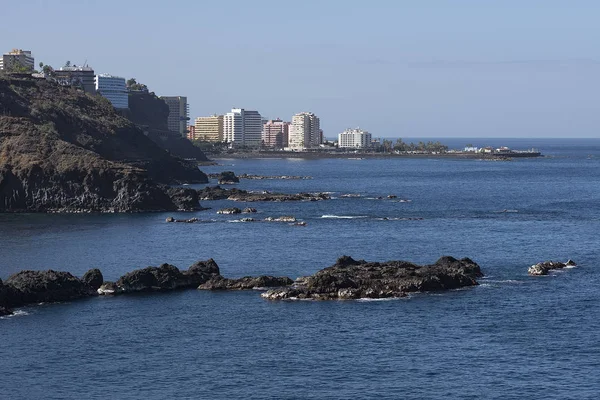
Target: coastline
column 319, row 155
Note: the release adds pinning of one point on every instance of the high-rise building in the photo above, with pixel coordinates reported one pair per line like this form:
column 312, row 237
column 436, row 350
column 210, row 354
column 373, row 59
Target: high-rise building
column 354, row 138
column 275, row 134
column 242, row 128
column 114, row 89
column 305, row 131
column 83, row 77
column 17, row 58
column 209, row 129
column 178, row 114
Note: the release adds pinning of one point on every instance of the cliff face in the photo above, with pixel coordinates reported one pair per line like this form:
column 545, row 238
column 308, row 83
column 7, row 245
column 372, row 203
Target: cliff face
column 63, row 150
column 151, row 113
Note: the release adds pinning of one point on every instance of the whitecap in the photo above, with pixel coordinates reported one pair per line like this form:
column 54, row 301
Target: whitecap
column 368, row 299
column 16, row 313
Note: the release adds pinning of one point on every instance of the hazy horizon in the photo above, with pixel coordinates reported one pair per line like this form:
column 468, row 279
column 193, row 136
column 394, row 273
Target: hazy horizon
column 460, row 69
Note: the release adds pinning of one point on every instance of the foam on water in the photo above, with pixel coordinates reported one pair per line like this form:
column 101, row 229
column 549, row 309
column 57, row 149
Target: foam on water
column 344, row 216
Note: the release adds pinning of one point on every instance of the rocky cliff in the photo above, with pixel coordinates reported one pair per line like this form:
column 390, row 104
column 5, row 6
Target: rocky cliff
column 64, row 150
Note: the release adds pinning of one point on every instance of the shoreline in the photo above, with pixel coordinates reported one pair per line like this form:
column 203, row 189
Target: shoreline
column 360, row 156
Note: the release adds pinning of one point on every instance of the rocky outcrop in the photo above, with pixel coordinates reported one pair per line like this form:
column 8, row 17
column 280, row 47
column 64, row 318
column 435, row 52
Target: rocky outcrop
column 246, row 283
column 93, row 278
column 62, row 150
column 163, row 278
column 351, row 279
column 218, row 193
column 283, row 218
column 543, row 268
column 228, row 178
column 4, row 308
column 185, row 199
column 28, row 287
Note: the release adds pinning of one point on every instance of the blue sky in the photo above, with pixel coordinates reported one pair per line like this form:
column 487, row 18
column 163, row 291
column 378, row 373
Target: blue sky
column 419, row 68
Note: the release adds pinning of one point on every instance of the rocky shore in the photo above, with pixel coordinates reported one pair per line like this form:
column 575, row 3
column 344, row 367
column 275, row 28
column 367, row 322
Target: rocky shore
column 62, row 150
column 543, row 268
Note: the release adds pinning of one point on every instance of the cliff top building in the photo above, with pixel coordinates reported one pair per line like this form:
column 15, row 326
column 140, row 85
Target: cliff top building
column 17, row 59
column 114, row 89
column 178, row 114
column 83, row 77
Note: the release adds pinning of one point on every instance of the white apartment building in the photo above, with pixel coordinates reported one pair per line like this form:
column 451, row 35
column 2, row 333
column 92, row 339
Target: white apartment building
column 17, row 58
column 242, row 128
column 304, row 131
column 355, row 139
column 114, row 89
column 178, row 114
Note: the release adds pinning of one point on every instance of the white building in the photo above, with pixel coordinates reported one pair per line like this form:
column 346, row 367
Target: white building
column 305, row 131
column 83, row 77
column 354, row 138
column 113, row 88
column 17, row 58
column 242, row 128
column 178, row 114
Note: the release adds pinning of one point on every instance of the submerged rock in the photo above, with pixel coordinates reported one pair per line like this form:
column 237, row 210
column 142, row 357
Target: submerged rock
column 248, row 282
column 249, row 210
column 543, row 268
column 229, row 211
column 352, row 279
column 218, row 193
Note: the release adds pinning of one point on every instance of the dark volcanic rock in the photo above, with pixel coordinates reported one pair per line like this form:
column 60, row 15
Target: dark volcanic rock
column 93, row 278
column 231, row 210
column 543, row 268
column 27, row 287
column 351, row 279
column 218, row 193
column 228, row 178
column 163, row 278
column 62, row 150
column 185, row 199
column 245, row 283
column 4, row 308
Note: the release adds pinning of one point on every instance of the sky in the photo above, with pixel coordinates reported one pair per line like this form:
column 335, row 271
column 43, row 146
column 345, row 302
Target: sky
column 396, row 68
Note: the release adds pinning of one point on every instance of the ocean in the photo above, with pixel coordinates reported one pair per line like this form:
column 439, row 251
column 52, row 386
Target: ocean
column 512, row 337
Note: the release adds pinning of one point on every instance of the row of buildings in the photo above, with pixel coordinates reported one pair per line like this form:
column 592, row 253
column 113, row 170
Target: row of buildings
column 247, row 128
column 239, row 128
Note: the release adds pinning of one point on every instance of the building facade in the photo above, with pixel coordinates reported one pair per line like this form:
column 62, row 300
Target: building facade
column 242, row 128
column 355, row 139
column 83, row 77
column 114, row 89
column 209, row 129
column 275, row 134
column 17, row 58
column 178, row 114
column 304, row 131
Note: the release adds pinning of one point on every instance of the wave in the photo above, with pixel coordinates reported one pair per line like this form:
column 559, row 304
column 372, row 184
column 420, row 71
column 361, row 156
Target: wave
column 343, row 216
column 507, row 211
column 16, row 313
column 368, row 300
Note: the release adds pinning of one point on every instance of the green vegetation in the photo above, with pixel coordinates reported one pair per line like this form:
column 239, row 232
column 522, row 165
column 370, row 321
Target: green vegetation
column 132, row 84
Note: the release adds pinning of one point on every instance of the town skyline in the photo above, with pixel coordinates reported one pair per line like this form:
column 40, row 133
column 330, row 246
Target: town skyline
column 399, row 70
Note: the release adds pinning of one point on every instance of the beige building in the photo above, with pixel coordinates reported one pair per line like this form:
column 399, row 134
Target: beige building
column 209, row 129
column 17, row 58
column 304, row 132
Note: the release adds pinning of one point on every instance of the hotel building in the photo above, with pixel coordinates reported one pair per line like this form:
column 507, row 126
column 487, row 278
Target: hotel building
column 304, row 131
column 354, row 138
column 178, row 114
column 83, row 77
column 114, row 89
column 275, row 134
column 242, row 128
column 17, row 58
column 209, row 129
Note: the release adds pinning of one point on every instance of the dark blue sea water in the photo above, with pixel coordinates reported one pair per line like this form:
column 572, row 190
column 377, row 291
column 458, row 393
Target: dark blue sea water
column 512, row 337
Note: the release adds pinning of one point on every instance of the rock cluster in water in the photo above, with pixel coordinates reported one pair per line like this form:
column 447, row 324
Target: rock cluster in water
column 351, row 279
column 543, row 268
column 219, row 193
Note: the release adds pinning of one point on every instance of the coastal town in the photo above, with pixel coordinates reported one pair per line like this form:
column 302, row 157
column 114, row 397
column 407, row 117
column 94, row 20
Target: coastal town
column 239, row 131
